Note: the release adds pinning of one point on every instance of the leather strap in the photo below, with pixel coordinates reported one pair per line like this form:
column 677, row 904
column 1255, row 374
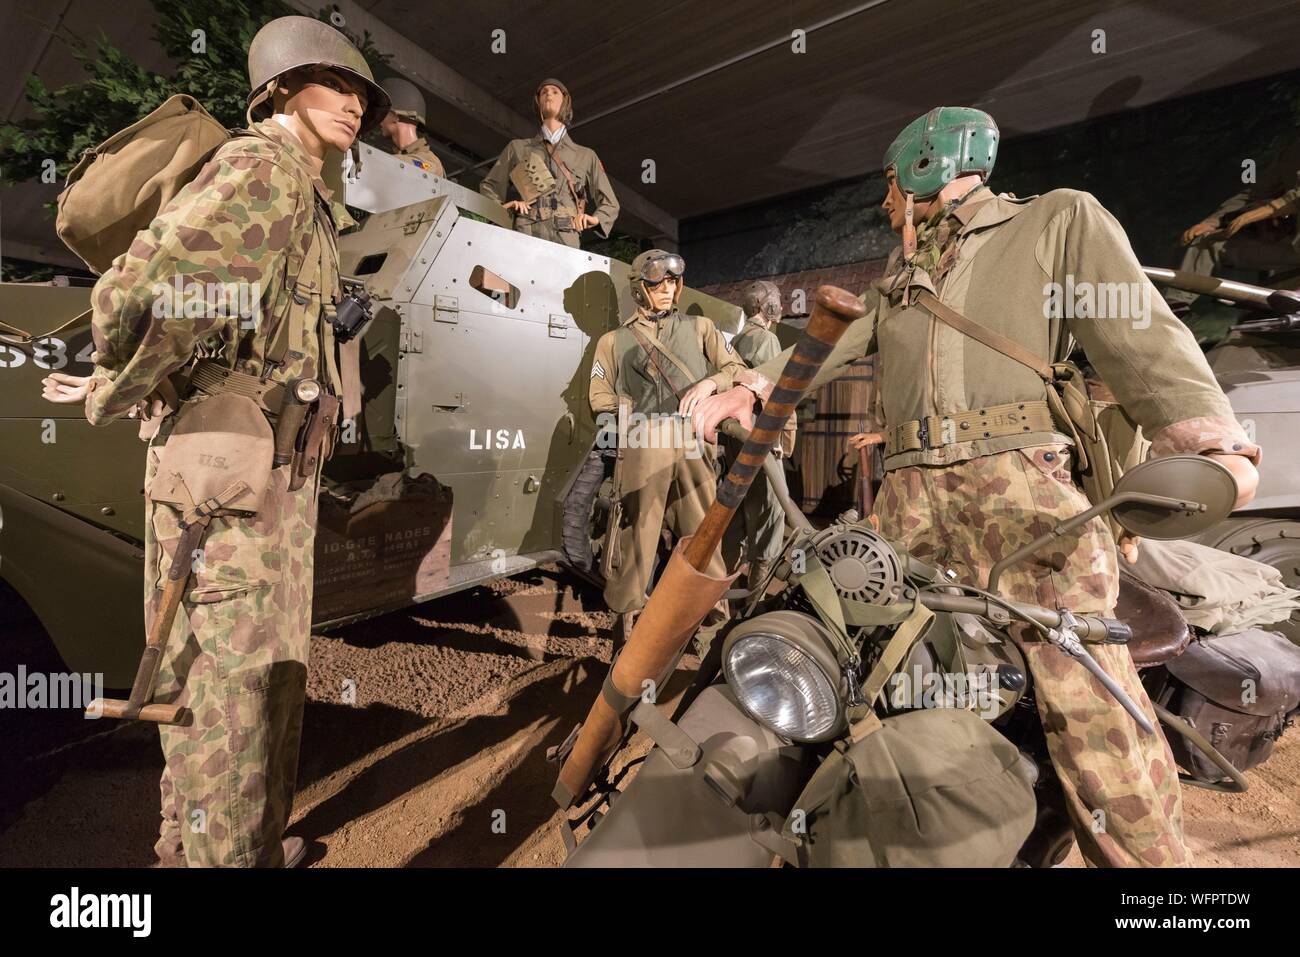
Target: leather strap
column 652, row 351
column 995, row 341
column 990, row 422
column 568, row 178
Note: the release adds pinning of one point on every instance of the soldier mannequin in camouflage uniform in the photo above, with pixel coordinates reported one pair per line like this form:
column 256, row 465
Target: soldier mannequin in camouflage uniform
column 1245, row 232
column 957, row 498
column 571, row 177
column 755, row 535
column 668, row 479
column 237, row 654
column 405, row 124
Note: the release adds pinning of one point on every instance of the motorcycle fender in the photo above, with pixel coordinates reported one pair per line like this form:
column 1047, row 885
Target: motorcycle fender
column 673, row 817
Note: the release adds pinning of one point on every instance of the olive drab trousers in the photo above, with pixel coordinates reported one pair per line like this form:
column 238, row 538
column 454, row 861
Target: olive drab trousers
column 669, row 485
column 757, row 531
column 1120, row 783
column 237, row 657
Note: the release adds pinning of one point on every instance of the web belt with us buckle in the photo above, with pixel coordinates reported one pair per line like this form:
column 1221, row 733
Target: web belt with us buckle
column 990, row 422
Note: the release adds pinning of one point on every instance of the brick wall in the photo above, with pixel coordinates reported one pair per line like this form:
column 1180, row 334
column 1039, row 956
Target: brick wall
column 855, row 277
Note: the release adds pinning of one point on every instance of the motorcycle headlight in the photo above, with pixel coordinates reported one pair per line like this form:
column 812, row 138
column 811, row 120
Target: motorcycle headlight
column 783, row 670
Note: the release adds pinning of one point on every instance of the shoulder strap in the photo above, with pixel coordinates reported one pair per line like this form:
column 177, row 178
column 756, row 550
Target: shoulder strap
column 995, row 341
column 568, row 177
column 681, row 366
column 653, row 352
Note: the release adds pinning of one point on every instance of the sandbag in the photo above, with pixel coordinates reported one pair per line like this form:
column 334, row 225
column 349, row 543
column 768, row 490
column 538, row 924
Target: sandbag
column 932, row 788
column 1241, row 691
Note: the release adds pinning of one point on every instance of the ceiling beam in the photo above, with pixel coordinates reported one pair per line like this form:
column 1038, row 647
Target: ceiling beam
column 424, row 69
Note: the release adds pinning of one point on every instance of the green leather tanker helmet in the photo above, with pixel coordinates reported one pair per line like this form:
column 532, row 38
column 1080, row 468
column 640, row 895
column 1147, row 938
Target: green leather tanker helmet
column 937, row 147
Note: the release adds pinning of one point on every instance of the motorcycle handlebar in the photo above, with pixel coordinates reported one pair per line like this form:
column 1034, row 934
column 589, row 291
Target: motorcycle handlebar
column 1089, row 627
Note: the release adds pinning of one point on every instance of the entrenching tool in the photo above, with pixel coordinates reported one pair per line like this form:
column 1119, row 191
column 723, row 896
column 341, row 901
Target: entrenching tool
column 685, row 593
column 193, row 527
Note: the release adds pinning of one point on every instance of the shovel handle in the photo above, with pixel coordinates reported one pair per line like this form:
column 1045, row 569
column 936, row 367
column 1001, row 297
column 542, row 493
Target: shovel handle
column 834, row 310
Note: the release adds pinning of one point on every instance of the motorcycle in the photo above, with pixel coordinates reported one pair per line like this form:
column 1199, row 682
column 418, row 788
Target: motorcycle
column 847, row 634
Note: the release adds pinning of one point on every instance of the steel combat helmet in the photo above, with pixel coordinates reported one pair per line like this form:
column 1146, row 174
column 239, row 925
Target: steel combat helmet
column 288, row 43
column 566, row 111
column 763, row 299
column 651, row 268
column 937, row 147
column 407, row 100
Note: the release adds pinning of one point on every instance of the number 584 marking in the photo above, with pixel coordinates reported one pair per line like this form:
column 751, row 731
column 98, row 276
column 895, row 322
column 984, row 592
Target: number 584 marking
column 47, row 353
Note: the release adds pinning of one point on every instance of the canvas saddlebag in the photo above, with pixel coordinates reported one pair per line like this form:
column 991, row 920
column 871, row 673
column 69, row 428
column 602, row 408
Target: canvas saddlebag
column 932, row 788
column 119, row 186
column 1241, row 691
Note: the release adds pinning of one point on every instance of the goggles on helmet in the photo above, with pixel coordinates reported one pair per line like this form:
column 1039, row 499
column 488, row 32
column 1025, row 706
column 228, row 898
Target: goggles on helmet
column 656, row 270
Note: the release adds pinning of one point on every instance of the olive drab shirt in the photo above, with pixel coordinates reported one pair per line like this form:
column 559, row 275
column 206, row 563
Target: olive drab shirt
column 756, row 345
column 425, row 158
column 589, row 180
column 1020, row 267
column 621, row 366
column 256, row 215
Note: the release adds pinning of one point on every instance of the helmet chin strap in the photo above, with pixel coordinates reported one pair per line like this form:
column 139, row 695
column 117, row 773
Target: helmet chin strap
column 909, row 228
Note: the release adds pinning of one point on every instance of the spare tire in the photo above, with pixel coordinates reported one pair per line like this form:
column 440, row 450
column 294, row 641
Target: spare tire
column 586, row 510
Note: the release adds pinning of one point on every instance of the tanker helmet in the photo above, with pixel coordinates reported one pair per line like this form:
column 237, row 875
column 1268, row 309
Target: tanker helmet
column 651, row 268
column 939, row 146
column 763, row 299
column 566, row 110
column 407, row 100
column 288, row 43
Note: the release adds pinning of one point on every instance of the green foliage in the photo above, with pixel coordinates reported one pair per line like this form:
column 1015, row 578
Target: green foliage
column 617, row 246
column 118, row 91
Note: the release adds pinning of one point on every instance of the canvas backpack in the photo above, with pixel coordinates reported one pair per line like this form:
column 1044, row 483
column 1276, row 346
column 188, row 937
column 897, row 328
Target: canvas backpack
column 119, row 186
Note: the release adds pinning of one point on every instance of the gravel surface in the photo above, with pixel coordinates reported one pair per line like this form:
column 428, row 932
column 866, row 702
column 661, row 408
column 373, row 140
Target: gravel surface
column 424, row 745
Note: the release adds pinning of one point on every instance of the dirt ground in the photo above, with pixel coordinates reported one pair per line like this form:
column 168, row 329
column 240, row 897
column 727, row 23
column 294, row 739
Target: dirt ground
column 424, row 744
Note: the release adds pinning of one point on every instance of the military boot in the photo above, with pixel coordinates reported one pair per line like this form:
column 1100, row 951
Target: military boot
column 295, row 851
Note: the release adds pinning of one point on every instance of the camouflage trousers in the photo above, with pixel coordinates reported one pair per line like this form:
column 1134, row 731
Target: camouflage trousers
column 1121, row 784
column 237, row 658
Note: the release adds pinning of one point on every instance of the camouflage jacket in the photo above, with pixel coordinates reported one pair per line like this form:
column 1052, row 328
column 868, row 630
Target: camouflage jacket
column 256, row 215
column 1021, row 267
column 589, row 179
column 621, row 366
